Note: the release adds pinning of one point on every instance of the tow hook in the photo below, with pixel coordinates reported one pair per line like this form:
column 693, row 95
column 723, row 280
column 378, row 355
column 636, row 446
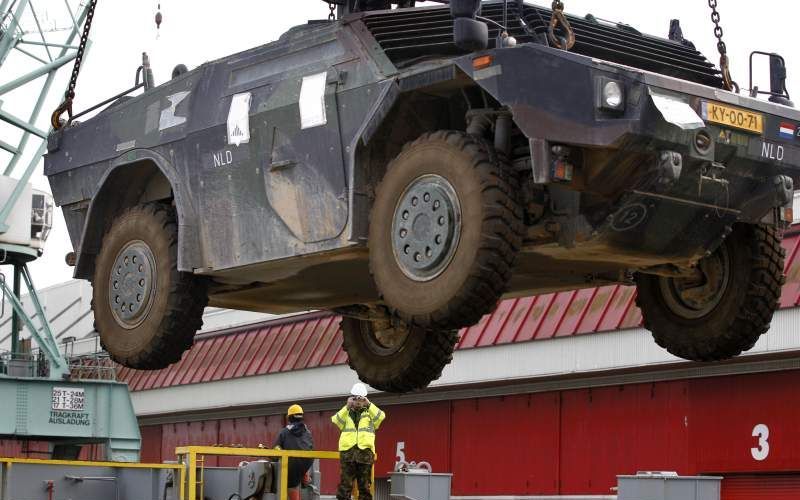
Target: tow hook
column 712, row 172
column 784, row 190
column 670, row 165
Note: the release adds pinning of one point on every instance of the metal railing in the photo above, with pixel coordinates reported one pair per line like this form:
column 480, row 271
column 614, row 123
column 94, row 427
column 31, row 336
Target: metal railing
column 97, row 366
column 24, row 364
column 193, row 458
column 94, row 366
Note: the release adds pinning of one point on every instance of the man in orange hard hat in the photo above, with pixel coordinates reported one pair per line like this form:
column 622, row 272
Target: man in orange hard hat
column 358, row 420
column 296, row 436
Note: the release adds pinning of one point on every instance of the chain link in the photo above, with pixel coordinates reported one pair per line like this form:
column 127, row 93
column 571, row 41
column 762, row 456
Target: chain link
column 332, row 13
column 69, row 95
column 724, row 62
column 558, row 18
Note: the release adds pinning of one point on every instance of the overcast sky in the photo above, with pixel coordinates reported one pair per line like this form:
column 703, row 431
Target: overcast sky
column 195, row 31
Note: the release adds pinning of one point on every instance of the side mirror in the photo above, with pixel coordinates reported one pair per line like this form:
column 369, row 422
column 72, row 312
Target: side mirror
column 468, row 33
column 777, row 80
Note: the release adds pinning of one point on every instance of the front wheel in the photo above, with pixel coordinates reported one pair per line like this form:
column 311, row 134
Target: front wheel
column 393, row 357
column 145, row 310
column 726, row 306
column 445, row 231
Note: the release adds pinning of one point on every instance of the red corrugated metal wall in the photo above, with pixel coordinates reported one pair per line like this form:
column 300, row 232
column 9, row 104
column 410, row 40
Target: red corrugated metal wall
column 762, row 487
column 567, row 442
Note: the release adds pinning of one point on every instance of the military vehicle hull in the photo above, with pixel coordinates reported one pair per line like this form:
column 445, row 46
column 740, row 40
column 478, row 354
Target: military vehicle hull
column 275, row 163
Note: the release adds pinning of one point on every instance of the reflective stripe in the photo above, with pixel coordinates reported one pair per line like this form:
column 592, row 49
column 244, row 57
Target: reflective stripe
column 340, row 419
column 369, row 429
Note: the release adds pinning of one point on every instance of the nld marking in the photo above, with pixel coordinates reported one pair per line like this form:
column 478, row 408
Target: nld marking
column 772, row 151
column 222, row 158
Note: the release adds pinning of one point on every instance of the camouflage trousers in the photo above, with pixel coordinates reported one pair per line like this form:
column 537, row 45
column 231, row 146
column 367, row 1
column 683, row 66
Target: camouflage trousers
column 355, row 472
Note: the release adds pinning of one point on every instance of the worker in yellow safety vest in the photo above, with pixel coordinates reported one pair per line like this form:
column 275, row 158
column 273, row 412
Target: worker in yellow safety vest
column 357, row 420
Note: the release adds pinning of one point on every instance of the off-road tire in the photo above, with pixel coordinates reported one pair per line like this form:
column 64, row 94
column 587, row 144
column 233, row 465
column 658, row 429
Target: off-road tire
column 490, row 234
column 744, row 311
column 175, row 312
column 419, row 362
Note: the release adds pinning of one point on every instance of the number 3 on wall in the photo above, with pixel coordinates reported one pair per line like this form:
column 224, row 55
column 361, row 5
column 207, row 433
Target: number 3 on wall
column 761, row 432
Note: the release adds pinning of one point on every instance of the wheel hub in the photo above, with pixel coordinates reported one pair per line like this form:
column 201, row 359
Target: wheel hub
column 426, row 227
column 130, row 286
column 697, row 296
column 383, row 337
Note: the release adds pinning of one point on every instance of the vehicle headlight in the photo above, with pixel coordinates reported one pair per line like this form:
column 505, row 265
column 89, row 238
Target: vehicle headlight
column 613, row 96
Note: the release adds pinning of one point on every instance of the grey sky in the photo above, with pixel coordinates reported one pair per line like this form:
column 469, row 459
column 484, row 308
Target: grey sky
column 195, row 31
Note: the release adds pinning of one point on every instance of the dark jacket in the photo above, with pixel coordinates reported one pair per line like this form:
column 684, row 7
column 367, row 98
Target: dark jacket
column 296, row 436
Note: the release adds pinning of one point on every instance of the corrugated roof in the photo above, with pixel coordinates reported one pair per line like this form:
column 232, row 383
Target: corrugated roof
column 313, row 340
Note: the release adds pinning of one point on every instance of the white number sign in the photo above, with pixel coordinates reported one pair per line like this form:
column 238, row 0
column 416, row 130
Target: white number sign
column 761, row 452
column 401, row 451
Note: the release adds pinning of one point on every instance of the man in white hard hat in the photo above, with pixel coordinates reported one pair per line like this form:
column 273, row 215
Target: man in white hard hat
column 357, row 420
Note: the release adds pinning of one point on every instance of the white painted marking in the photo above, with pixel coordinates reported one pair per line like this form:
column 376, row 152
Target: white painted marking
column 124, row 146
column 676, row 111
column 168, row 117
column 222, row 158
column 312, row 101
column 773, row 151
column 239, row 119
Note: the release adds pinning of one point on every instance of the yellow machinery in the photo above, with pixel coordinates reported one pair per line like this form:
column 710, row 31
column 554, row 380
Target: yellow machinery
column 187, row 479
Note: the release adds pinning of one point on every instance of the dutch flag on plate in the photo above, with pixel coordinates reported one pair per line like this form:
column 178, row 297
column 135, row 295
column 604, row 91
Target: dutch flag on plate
column 787, row 130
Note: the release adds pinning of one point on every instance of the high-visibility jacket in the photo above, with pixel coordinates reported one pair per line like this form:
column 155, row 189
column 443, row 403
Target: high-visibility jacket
column 362, row 434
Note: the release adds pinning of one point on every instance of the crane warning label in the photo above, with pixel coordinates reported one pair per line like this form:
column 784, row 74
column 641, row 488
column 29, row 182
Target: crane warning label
column 70, row 418
column 68, row 398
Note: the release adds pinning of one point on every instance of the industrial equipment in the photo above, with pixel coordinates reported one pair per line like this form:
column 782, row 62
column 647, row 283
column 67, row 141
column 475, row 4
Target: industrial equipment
column 409, row 167
column 45, row 395
column 416, row 481
column 262, row 476
column 668, row 485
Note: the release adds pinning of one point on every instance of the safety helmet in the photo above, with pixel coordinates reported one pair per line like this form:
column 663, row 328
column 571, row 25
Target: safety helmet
column 359, row 390
column 294, row 410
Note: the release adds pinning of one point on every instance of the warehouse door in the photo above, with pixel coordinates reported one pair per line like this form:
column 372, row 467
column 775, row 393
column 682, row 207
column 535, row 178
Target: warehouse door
column 762, row 487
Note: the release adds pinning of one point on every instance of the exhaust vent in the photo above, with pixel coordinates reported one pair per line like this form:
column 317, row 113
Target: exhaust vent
column 407, row 35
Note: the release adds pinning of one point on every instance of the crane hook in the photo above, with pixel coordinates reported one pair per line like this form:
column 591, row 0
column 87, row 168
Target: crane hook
column 159, row 18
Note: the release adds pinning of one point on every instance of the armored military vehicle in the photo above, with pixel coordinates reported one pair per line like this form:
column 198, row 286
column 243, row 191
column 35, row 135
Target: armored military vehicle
column 409, row 167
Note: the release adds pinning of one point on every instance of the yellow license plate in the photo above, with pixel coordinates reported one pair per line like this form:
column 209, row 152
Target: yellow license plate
column 729, row 116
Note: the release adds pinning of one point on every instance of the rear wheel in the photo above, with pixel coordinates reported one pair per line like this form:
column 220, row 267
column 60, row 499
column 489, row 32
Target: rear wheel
column 393, row 357
column 145, row 310
column 726, row 306
column 445, row 230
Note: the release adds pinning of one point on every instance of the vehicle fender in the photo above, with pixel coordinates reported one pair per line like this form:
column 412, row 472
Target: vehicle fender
column 120, row 188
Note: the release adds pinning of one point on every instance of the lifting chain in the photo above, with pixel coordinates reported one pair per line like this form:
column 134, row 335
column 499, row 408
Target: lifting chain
column 69, row 95
column 559, row 19
column 724, row 63
column 332, row 13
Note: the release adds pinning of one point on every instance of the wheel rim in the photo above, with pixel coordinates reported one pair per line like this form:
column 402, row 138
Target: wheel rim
column 131, row 284
column 426, row 227
column 383, row 338
column 698, row 296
